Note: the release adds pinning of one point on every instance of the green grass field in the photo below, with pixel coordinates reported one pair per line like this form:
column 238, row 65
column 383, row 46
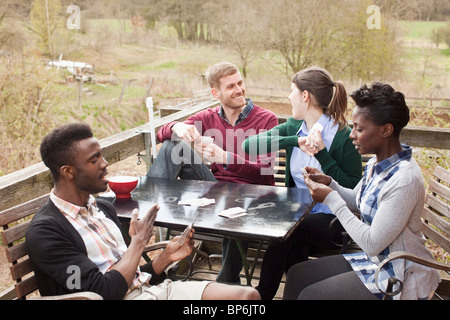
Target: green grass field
column 415, row 30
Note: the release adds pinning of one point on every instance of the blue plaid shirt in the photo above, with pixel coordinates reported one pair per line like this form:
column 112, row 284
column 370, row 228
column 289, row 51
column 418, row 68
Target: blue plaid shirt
column 376, row 175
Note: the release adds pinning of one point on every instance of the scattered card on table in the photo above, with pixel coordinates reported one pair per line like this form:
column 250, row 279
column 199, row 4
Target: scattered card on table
column 196, row 202
column 233, row 213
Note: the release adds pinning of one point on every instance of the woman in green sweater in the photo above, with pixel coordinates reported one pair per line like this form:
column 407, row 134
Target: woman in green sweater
column 316, row 136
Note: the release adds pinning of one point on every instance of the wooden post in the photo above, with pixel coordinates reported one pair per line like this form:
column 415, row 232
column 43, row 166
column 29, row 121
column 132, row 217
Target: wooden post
column 147, row 94
column 80, row 90
column 126, row 84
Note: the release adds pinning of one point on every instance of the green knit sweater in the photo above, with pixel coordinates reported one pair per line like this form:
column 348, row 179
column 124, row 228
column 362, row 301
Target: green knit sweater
column 342, row 162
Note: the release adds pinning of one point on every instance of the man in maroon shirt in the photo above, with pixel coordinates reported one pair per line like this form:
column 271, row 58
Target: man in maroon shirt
column 229, row 125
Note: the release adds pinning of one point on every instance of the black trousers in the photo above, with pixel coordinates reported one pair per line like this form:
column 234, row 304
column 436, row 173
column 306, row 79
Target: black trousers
column 313, row 232
column 327, row 278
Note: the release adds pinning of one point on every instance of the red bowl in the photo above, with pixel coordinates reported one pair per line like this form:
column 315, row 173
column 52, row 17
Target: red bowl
column 122, row 186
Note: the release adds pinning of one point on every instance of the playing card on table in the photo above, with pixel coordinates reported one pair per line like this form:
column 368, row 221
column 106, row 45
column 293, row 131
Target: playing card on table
column 196, row 202
column 233, row 213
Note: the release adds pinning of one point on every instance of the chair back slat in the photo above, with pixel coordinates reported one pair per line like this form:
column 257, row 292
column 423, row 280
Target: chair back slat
column 21, row 269
column 25, row 287
column 15, row 222
column 15, row 233
column 16, row 252
column 436, row 237
column 22, row 210
column 442, row 174
column 436, row 212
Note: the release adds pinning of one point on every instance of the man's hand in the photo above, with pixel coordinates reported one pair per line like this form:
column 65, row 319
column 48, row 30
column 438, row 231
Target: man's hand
column 176, row 252
column 143, row 228
column 188, row 133
column 173, row 252
column 140, row 231
column 214, row 153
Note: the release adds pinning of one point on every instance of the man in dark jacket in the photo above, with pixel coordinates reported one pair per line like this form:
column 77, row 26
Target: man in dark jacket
column 75, row 242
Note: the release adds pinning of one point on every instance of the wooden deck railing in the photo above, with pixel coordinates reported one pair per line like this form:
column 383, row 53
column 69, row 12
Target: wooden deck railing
column 35, row 181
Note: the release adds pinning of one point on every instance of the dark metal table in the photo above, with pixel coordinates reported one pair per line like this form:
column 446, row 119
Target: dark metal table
column 272, row 212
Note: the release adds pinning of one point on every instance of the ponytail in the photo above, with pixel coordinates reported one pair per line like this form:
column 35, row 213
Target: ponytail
column 338, row 105
column 330, row 96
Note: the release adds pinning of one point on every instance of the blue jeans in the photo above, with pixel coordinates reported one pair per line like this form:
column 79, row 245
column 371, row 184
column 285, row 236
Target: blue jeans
column 231, row 261
column 176, row 159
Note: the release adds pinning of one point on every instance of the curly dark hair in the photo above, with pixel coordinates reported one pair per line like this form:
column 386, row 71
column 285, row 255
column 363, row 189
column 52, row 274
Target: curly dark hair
column 59, row 146
column 383, row 105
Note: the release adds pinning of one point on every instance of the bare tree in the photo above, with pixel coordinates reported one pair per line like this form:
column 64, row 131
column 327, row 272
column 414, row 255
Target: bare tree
column 298, row 32
column 187, row 17
column 334, row 35
column 12, row 14
column 416, row 9
column 238, row 26
column 45, row 19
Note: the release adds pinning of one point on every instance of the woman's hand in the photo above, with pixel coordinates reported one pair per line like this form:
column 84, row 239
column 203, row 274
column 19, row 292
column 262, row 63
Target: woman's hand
column 312, row 143
column 315, row 137
column 318, row 176
column 303, row 144
column 318, row 191
column 317, row 183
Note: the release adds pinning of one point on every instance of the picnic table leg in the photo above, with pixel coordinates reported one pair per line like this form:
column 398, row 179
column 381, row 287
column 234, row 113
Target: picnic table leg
column 245, row 263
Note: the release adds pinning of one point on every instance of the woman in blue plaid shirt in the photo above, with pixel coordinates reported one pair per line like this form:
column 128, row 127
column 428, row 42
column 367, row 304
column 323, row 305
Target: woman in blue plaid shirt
column 389, row 199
